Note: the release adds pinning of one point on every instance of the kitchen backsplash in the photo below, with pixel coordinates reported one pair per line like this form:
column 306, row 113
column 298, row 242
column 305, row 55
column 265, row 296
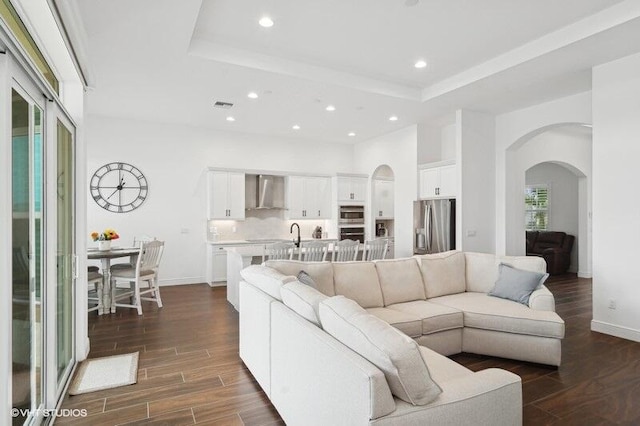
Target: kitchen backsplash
column 262, row 224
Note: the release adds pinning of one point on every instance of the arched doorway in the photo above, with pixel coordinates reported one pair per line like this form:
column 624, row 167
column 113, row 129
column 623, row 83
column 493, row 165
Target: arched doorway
column 382, row 205
column 569, row 146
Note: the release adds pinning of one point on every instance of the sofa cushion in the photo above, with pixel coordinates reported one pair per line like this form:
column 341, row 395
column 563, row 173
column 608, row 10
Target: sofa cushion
column 400, row 280
column 491, row 313
column 358, row 281
column 435, row 317
column 320, row 272
column 396, row 354
column 516, row 284
column 443, row 273
column 266, row 279
column 303, row 300
column 482, row 269
column 409, row 324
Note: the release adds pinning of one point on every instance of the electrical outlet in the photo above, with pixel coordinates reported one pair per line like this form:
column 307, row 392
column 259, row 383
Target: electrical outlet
column 471, row 233
column 612, row 304
column 233, row 229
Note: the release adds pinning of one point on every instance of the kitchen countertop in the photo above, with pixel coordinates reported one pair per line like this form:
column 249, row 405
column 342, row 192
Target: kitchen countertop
column 262, row 241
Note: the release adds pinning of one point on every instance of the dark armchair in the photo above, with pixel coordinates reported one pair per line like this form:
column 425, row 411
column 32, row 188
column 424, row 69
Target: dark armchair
column 554, row 247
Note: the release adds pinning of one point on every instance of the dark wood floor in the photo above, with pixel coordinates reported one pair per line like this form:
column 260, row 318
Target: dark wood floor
column 190, row 372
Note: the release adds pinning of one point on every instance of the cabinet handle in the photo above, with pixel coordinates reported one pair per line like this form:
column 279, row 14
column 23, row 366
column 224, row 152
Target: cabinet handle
column 319, row 213
column 380, row 213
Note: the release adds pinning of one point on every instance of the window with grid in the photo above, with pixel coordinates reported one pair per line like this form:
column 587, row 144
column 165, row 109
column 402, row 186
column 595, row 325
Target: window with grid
column 536, row 200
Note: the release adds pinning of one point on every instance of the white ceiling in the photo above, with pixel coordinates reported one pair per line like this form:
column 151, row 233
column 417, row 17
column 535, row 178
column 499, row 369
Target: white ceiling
column 168, row 60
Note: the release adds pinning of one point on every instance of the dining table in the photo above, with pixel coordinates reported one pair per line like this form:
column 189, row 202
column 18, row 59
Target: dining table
column 108, row 304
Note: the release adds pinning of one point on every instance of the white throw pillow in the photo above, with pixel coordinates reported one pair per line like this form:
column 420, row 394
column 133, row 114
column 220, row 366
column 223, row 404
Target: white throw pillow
column 303, row 300
column 266, row 279
column 396, row 354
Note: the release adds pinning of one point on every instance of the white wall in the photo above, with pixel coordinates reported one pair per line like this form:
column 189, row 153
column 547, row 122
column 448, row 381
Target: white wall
column 563, row 200
column 174, row 159
column 475, row 157
column 513, row 129
column 398, row 150
column 616, row 217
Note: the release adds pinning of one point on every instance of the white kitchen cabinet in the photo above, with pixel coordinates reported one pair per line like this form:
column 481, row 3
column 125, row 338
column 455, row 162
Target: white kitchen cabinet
column 438, row 182
column 225, row 195
column 352, row 189
column 219, row 264
column 308, row 197
column 383, row 199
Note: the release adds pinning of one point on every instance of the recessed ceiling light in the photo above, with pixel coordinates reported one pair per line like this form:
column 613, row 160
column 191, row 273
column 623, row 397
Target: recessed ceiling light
column 420, row 64
column 410, row 3
column 230, row 118
column 252, row 95
column 393, row 118
column 330, row 108
column 295, row 127
column 266, row 22
column 352, row 134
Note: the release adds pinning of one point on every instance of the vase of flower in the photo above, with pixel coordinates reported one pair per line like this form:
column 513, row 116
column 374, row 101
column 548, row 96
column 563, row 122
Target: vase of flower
column 104, row 238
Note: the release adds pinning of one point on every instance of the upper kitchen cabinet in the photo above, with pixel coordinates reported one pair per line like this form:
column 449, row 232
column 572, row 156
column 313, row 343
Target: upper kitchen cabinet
column 308, row 197
column 225, row 195
column 383, row 199
column 438, row 181
column 352, row 189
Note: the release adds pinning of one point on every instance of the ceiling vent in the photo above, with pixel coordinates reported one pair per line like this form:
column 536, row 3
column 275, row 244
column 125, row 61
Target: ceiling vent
column 223, row 105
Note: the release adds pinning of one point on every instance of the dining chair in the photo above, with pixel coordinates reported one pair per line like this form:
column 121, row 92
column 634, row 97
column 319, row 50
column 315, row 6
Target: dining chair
column 345, row 251
column 375, row 249
column 137, row 240
column 279, row 251
column 94, row 289
column 314, row 251
column 144, row 272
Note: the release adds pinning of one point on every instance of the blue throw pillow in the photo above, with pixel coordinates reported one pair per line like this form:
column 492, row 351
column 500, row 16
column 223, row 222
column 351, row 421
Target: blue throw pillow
column 305, row 278
column 516, row 284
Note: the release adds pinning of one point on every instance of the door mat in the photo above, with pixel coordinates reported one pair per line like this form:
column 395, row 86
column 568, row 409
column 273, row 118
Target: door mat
column 105, row 373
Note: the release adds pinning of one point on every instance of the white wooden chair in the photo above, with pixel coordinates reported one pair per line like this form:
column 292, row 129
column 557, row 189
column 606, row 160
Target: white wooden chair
column 279, row 251
column 95, row 283
column 375, row 249
column 145, row 271
column 314, row 251
column 137, row 240
column 345, row 251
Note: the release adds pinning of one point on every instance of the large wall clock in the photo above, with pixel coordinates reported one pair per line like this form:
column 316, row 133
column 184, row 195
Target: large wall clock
column 119, row 187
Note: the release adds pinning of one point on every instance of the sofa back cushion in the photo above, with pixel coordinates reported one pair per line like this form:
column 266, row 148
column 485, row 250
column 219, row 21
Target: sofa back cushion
column 303, row 300
column 320, row 272
column 396, row 354
column 482, row 268
column 400, row 280
column 266, row 279
column 358, row 281
column 443, row 273
column 528, row 263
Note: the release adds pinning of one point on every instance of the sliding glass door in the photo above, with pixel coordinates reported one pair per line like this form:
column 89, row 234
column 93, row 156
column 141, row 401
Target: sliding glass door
column 42, row 235
column 27, row 224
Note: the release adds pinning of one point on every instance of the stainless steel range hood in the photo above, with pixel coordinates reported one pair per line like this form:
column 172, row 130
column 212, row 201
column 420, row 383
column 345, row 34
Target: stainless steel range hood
column 264, row 192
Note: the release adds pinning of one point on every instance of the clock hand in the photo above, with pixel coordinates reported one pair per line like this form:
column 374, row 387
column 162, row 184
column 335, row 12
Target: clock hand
column 118, row 188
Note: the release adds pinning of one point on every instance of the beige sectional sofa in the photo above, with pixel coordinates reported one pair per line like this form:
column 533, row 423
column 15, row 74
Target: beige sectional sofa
column 440, row 301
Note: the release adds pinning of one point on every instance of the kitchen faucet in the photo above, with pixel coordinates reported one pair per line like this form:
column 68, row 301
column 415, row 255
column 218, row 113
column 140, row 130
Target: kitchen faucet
column 297, row 240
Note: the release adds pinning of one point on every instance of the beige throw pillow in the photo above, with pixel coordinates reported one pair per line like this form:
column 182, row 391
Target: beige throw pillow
column 394, row 353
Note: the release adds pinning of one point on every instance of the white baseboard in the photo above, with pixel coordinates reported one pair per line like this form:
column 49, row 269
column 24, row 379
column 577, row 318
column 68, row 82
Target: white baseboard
column 183, row 281
column 616, row 330
column 585, row 274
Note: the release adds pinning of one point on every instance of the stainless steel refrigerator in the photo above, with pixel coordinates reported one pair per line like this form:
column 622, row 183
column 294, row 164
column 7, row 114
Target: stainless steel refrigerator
column 434, row 223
